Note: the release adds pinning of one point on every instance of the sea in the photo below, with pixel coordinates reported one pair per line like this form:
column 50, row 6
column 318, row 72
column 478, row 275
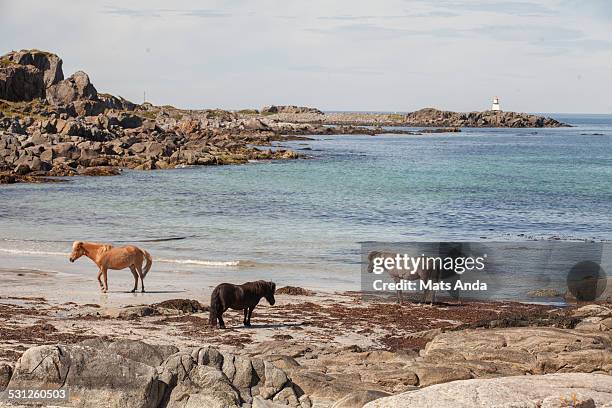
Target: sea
column 302, row 222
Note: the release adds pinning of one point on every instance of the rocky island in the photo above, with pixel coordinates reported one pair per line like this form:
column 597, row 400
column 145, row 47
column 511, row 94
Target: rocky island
column 56, row 126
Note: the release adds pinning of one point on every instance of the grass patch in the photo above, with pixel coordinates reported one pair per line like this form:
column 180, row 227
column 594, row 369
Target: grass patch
column 396, row 117
column 248, row 112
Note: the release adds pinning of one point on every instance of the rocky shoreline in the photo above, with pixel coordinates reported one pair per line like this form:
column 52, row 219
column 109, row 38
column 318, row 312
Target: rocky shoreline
column 56, row 127
column 309, row 350
column 427, row 117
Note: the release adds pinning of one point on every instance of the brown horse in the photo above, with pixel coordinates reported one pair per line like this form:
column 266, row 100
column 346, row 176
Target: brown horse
column 239, row 297
column 108, row 257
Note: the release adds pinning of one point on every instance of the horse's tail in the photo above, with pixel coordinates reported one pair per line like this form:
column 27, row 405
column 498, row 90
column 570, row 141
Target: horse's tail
column 149, row 260
column 215, row 307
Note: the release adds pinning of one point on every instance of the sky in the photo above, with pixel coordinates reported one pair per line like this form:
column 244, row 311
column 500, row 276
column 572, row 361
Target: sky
column 384, row 55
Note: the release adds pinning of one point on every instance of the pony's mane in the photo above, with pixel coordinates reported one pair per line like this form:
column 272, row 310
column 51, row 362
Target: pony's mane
column 264, row 287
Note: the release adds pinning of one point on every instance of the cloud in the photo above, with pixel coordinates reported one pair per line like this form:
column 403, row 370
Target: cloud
column 343, row 70
column 516, row 8
column 160, row 12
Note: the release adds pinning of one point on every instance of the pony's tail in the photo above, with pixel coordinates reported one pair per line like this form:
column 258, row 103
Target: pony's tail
column 149, row 260
column 215, row 305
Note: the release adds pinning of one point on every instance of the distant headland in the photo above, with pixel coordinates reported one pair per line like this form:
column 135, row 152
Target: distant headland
column 56, row 126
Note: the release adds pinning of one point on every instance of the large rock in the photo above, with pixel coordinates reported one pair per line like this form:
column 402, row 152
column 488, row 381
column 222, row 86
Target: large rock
column 20, row 82
column 206, row 377
column 205, row 387
column 94, row 378
column 6, row 371
column 358, row 399
column 519, row 350
column 49, row 63
column 76, row 87
column 152, row 355
column 510, row 392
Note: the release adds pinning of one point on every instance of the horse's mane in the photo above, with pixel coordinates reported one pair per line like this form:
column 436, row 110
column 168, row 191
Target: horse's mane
column 262, row 287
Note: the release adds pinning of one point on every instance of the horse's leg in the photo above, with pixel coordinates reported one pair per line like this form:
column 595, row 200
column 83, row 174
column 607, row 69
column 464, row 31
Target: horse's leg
column 133, row 269
column 220, row 317
column 139, row 270
column 250, row 313
column 105, row 279
column 397, row 279
column 246, row 313
column 99, row 278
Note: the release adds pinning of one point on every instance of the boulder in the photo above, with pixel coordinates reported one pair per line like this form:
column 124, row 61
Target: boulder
column 358, row 399
column 206, row 377
column 520, row 350
column 152, row 355
column 48, row 63
column 88, row 107
column 516, row 392
column 129, row 121
column 20, row 82
column 76, row 87
column 157, row 149
column 33, row 163
column 6, row 371
column 116, row 102
column 67, row 150
column 94, row 378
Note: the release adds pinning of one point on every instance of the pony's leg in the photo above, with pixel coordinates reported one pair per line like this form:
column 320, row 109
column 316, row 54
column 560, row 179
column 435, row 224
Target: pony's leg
column 139, row 270
column 425, row 292
column 249, row 319
column 221, row 322
column 105, row 279
column 246, row 313
column 133, row 269
column 99, row 278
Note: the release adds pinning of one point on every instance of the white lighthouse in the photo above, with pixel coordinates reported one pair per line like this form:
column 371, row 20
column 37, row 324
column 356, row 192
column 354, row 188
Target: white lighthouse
column 496, row 107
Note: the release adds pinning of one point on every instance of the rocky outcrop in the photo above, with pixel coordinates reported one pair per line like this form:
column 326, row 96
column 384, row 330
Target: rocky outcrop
column 331, row 375
column 77, row 87
column 19, row 82
column 127, row 373
column 291, row 109
column 439, row 118
column 48, row 63
column 27, row 74
column 543, row 391
column 206, row 377
column 94, row 378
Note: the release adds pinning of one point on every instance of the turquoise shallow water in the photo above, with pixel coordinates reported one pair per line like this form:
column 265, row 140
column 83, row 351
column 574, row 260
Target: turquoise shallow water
column 301, row 222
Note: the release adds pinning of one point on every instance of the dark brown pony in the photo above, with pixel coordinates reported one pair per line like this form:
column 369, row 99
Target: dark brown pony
column 239, row 297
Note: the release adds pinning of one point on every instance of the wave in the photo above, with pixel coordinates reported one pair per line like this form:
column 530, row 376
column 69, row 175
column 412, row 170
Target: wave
column 32, row 252
column 161, row 239
column 200, row 262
